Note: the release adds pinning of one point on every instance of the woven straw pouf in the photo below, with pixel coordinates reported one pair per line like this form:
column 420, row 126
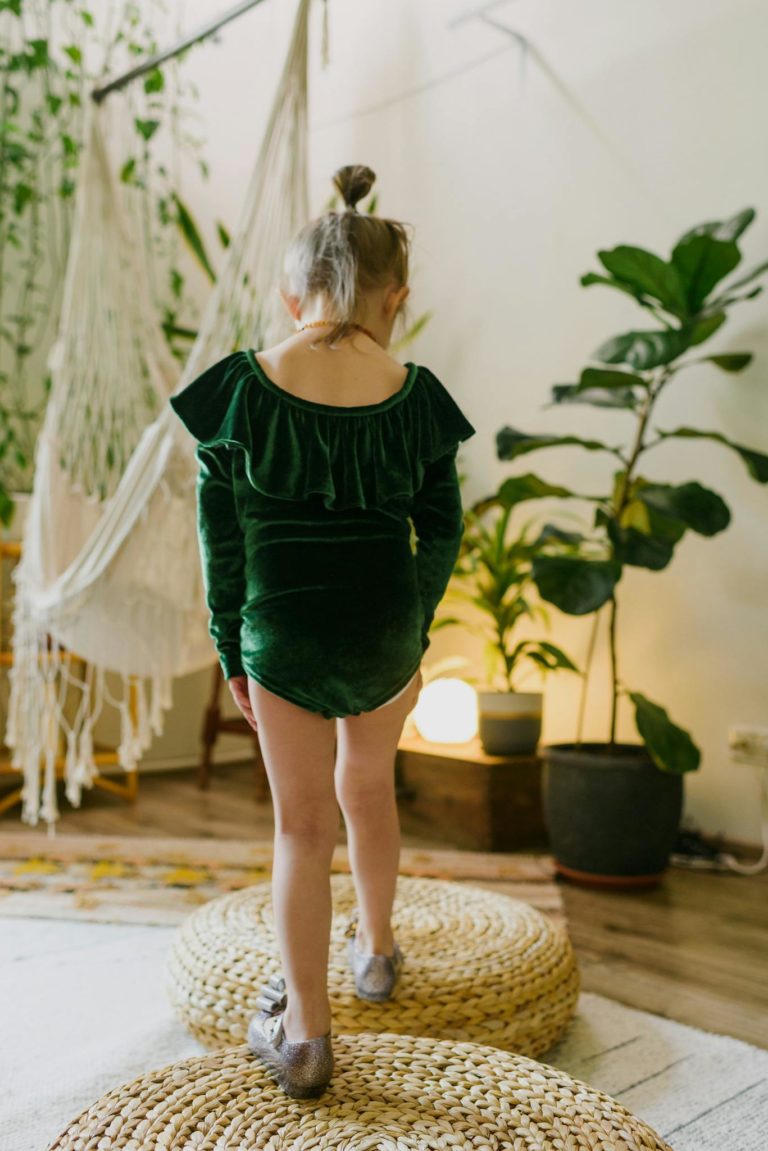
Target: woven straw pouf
column 478, row 966
column 388, row 1093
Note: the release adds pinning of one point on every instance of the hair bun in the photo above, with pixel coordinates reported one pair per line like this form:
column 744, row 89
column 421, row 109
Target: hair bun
column 353, row 182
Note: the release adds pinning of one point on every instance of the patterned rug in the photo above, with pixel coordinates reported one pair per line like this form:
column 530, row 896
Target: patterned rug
column 156, row 881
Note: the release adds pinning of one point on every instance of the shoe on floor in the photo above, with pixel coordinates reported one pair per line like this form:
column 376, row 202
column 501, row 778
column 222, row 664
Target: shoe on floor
column 375, row 975
column 301, row 1067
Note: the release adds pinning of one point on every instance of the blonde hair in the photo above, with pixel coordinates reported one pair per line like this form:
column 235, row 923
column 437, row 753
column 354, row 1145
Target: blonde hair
column 341, row 255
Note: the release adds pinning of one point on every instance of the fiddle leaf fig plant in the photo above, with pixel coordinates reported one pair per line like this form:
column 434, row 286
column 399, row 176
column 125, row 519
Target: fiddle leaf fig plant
column 640, row 520
column 493, row 575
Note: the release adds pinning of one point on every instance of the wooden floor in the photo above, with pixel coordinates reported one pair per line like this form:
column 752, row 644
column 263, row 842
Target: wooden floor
column 695, row 949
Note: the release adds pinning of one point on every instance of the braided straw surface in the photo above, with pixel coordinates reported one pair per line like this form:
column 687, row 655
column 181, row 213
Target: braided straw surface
column 388, row 1093
column 478, row 966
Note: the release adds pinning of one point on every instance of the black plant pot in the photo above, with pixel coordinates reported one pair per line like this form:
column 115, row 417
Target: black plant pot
column 611, row 813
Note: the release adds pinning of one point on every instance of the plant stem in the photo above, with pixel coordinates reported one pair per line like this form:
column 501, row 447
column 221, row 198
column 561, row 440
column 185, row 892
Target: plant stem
column 621, row 502
column 585, row 678
column 614, row 673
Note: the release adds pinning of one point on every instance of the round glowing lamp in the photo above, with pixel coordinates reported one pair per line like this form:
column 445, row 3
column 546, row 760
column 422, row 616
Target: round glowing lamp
column 446, row 711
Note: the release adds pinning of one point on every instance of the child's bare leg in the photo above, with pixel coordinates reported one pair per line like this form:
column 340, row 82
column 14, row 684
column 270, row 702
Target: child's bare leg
column 298, row 754
column 365, row 787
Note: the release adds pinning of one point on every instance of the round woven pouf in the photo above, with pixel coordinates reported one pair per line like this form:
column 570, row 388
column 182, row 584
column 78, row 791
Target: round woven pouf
column 388, row 1093
column 478, row 966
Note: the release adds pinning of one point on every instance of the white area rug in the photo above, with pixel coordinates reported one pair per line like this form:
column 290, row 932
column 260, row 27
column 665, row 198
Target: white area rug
column 84, row 1009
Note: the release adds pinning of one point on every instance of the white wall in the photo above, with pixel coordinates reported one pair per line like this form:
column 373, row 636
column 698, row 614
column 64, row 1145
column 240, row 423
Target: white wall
column 511, row 190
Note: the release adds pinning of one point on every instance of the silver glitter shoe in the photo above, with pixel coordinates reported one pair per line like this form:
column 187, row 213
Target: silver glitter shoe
column 375, row 975
column 301, row 1067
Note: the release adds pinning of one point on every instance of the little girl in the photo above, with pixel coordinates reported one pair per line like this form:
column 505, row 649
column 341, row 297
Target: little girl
column 316, row 457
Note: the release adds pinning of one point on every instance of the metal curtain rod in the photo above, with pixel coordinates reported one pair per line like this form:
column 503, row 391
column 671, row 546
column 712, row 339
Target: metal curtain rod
column 98, row 94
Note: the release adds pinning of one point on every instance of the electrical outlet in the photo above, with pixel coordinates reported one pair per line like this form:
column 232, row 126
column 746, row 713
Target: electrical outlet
column 749, row 744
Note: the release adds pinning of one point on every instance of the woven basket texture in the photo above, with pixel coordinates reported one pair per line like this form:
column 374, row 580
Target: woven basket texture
column 388, row 1093
column 479, row 966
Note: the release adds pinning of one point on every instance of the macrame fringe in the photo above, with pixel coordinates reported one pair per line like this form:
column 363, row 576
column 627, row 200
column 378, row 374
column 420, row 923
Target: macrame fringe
column 46, row 686
column 110, row 562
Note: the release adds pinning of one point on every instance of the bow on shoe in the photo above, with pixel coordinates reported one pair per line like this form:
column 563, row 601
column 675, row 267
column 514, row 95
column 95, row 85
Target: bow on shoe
column 352, row 920
column 273, row 998
column 302, row 1068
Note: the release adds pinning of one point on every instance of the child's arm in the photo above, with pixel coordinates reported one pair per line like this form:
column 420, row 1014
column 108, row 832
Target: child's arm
column 222, row 553
column 438, row 517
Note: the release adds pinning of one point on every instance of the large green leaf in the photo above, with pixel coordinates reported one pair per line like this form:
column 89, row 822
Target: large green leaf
column 700, row 509
column 640, row 549
column 643, row 537
column 576, row 586
column 598, row 397
column 603, row 387
column 647, row 273
column 722, row 229
column 651, row 522
column 701, row 329
column 644, row 350
column 550, row 532
column 610, row 378
column 558, row 655
column 517, row 489
column 510, row 443
column 731, row 362
column 593, row 278
column 703, row 262
column 756, row 462
column 670, row 747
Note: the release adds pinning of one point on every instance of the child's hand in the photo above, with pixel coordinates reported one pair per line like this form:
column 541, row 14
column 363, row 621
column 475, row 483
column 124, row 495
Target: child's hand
column 238, row 685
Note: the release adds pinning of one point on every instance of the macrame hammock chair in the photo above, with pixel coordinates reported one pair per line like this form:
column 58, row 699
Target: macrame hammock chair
column 110, row 569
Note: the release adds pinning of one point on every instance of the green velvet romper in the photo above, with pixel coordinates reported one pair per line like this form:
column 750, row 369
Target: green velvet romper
column 304, row 515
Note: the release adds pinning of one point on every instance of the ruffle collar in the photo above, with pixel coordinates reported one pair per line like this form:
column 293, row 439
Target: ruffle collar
column 360, row 456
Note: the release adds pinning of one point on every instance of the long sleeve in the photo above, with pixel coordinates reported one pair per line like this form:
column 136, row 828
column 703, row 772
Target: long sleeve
column 438, row 517
column 222, row 553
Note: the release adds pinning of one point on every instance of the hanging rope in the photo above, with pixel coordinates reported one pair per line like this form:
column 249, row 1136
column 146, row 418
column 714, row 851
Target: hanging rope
column 325, row 49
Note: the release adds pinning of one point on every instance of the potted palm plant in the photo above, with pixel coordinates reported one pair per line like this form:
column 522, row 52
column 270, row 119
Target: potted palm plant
column 493, row 574
column 613, row 808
